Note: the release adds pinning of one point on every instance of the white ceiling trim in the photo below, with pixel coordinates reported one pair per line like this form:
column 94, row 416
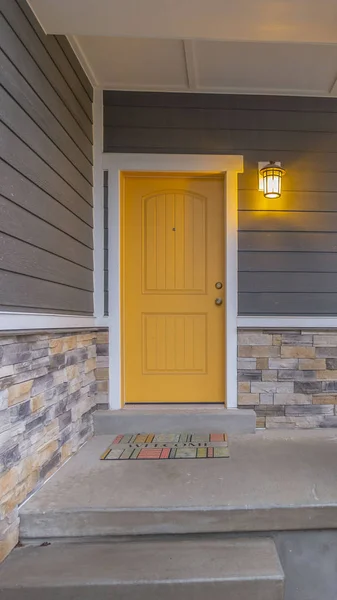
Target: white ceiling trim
column 333, row 89
column 306, row 21
column 262, row 91
column 235, row 91
column 191, row 64
column 36, row 15
column 193, row 83
column 108, row 85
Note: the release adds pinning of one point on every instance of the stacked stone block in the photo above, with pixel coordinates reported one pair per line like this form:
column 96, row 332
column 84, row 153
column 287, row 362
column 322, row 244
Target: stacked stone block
column 102, row 371
column 47, row 395
column 288, row 377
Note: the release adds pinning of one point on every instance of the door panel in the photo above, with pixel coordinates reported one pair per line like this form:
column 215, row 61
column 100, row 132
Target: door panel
column 174, row 343
column 174, row 243
column 173, row 256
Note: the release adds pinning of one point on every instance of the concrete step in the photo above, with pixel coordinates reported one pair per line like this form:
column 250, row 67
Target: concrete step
column 91, row 498
column 174, row 420
column 232, row 569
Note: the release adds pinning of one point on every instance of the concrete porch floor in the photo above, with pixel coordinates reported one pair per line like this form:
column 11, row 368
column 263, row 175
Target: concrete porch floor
column 273, row 480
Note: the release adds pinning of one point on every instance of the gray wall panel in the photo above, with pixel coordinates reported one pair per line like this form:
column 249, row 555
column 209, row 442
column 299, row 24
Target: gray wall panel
column 19, row 223
column 291, row 201
column 302, row 262
column 46, row 218
column 208, row 118
column 22, row 191
column 294, row 181
column 60, row 59
column 73, row 60
column 287, row 247
column 29, row 101
column 222, row 101
column 288, row 282
column 12, row 115
column 320, row 303
column 207, row 141
column 261, row 220
column 285, row 241
column 308, row 161
column 25, row 64
column 22, row 257
column 38, row 294
column 31, row 309
column 22, row 158
column 24, row 30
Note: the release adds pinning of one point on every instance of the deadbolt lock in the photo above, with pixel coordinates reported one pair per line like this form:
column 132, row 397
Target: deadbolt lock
column 218, row 285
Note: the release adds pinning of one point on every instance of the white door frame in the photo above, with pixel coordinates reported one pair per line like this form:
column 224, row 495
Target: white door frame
column 229, row 166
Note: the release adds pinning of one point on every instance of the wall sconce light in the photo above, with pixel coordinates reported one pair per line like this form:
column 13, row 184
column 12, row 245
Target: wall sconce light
column 270, row 176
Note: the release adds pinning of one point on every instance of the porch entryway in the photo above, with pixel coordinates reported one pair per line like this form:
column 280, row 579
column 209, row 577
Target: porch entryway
column 172, row 279
column 236, row 528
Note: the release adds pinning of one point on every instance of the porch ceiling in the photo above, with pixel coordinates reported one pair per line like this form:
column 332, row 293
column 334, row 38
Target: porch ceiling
column 259, row 46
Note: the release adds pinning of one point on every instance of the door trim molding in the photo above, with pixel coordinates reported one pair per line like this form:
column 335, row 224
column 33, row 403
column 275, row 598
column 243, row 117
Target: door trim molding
column 227, row 165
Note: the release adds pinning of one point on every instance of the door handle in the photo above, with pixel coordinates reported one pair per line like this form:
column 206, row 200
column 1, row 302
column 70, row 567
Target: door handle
column 218, row 301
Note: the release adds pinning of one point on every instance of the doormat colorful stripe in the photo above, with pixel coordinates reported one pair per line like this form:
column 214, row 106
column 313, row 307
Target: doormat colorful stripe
column 151, row 446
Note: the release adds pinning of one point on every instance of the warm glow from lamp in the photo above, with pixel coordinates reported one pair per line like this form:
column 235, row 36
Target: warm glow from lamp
column 272, row 175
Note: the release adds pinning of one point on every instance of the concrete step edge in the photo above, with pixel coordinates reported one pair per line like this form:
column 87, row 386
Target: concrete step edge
column 142, row 562
column 104, row 523
column 171, row 421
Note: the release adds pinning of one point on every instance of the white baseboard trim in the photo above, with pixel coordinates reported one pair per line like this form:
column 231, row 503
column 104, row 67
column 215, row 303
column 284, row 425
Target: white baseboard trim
column 16, row 321
column 285, row 322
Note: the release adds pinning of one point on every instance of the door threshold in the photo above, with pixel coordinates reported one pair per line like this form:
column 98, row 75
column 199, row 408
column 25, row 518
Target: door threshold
column 161, row 418
column 175, row 406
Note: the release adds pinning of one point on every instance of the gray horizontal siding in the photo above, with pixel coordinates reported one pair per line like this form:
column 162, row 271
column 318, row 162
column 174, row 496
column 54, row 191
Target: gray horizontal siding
column 60, row 58
column 218, row 119
column 47, row 61
column 45, row 170
column 37, row 293
column 292, row 201
column 27, row 67
column 40, row 310
column 30, row 102
column 23, row 192
column 294, row 181
column 15, row 118
column 292, row 282
column 252, row 220
column 220, row 101
column 287, row 241
column 318, row 303
column 25, row 161
column 287, row 247
column 22, row 225
column 22, row 257
column 215, row 141
column 287, row 261
column 74, row 62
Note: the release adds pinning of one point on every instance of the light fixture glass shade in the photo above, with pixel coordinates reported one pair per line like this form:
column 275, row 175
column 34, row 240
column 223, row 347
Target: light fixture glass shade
column 271, row 176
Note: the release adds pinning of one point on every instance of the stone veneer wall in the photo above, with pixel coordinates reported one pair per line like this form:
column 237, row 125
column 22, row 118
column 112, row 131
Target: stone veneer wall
column 102, row 371
column 289, row 377
column 47, row 395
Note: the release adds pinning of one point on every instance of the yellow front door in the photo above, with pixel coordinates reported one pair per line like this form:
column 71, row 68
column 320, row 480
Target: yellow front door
column 173, row 275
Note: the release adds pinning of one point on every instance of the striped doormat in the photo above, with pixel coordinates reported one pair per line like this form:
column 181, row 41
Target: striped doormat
column 158, row 446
